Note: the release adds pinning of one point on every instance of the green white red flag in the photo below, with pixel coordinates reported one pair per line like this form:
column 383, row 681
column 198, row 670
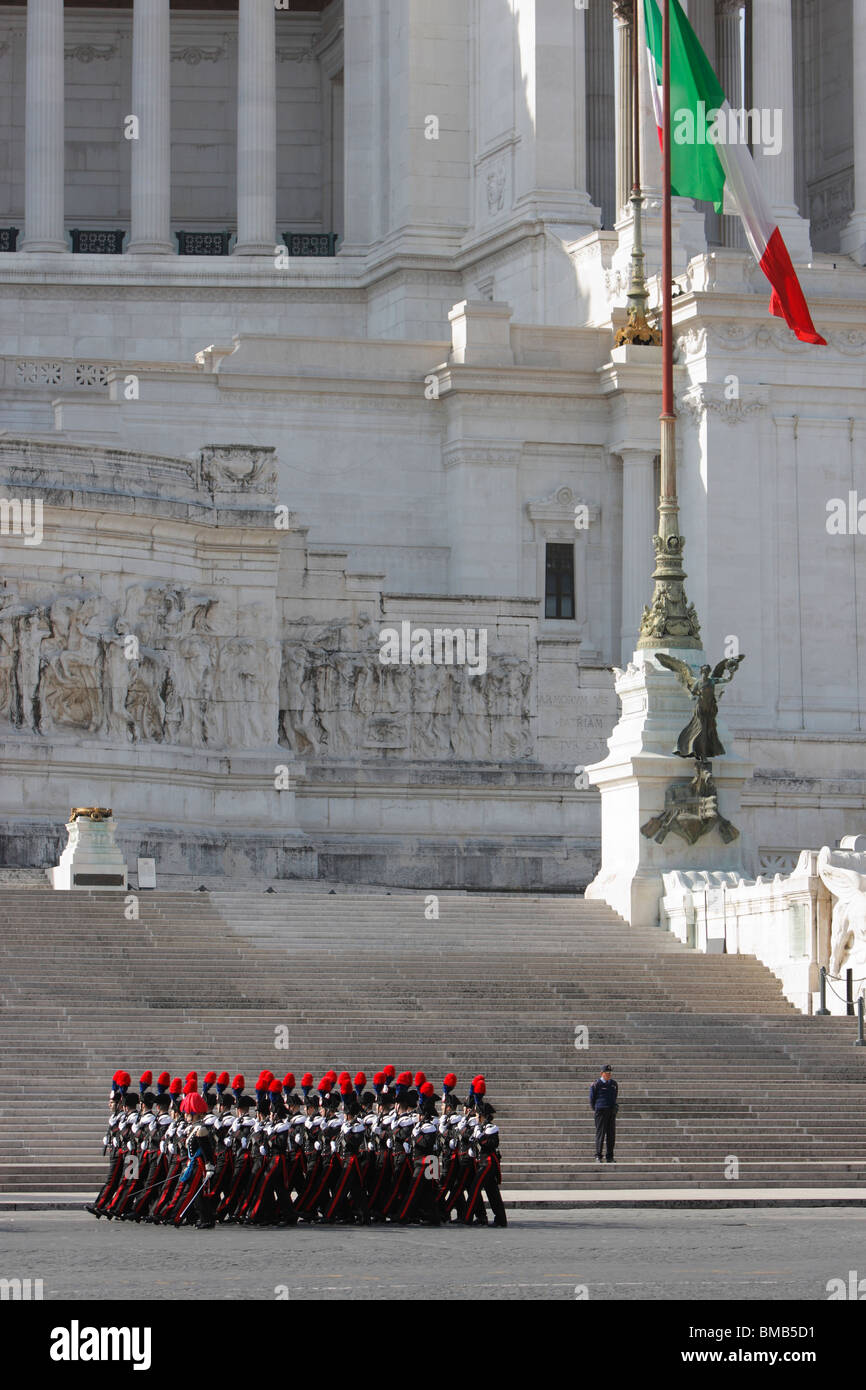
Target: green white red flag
column 707, row 164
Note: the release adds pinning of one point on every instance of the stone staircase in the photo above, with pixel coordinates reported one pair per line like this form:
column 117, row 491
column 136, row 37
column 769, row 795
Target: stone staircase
column 712, row 1061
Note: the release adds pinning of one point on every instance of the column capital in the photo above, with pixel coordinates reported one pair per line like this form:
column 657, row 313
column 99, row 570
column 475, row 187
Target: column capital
column 635, row 454
column 728, row 7
column 624, row 11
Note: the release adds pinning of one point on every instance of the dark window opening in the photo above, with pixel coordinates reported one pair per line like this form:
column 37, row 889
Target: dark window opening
column 559, row 581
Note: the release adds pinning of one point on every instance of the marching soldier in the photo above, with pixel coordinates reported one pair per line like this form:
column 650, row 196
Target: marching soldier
column 344, row 1154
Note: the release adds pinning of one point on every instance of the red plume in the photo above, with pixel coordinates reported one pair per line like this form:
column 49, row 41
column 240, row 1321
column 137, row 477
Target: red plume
column 388, row 1072
column 427, row 1088
column 164, row 1078
column 223, row 1079
column 307, row 1078
column 238, row 1083
column 275, row 1087
column 346, row 1087
column 210, row 1078
column 146, row 1078
column 124, row 1078
column 379, row 1079
column 478, row 1086
column 360, row 1080
column 420, row 1078
column 189, row 1087
column 176, row 1086
column 289, row 1080
column 450, row 1081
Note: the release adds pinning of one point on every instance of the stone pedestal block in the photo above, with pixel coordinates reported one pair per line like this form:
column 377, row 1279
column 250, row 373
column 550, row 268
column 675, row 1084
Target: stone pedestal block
column 91, row 859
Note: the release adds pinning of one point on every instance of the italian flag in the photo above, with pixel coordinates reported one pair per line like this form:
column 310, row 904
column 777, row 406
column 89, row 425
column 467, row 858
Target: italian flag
column 704, row 166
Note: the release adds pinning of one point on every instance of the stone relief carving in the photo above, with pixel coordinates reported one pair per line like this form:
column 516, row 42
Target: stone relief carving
column 239, row 468
column 337, row 701
column 86, row 52
column 696, row 404
column 495, row 188
column 67, row 664
column 193, row 54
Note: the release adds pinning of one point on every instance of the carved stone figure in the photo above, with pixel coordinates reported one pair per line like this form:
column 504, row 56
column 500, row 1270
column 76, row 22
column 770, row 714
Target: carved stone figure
column 848, row 930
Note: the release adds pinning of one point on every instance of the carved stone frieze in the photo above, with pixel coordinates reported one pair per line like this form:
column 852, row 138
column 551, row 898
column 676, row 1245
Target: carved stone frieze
column 161, row 666
column 337, row 700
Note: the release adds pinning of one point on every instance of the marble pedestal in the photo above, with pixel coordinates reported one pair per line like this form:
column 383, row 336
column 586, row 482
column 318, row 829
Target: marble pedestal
column 633, row 779
column 91, row 859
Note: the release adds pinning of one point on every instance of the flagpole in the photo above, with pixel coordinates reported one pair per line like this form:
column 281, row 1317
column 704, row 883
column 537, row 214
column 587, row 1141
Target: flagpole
column 637, row 331
column 670, row 621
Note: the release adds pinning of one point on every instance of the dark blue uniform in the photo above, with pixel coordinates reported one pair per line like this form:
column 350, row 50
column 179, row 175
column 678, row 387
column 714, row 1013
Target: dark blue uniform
column 603, row 1100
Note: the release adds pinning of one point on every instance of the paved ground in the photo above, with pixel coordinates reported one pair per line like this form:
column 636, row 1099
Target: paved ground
column 753, row 1253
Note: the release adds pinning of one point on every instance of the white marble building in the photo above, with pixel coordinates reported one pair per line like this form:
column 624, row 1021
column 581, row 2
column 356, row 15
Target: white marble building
column 251, row 461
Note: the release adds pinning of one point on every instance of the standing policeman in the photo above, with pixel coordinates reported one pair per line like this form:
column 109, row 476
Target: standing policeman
column 603, row 1102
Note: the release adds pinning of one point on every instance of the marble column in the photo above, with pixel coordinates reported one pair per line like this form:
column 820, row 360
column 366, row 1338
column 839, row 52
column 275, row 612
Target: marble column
column 773, row 92
column 44, row 163
column 257, row 128
column 729, row 67
column 624, row 12
column 854, row 235
column 150, row 195
column 639, row 525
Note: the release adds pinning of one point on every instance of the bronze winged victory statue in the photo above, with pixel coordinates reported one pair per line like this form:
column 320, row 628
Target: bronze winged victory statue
column 700, row 738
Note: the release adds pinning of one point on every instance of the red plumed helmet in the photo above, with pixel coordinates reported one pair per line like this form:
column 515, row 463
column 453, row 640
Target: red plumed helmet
column 379, row 1079
column 388, row 1072
column 238, row 1083
column 346, row 1086
column 115, row 1080
column 188, row 1088
column 307, row 1078
column 223, row 1079
column 361, row 1080
column 210, row 1078
column 164, row 1078
column 404, row 1079
column 145, row 1078
column 176, row 1086
column 194, row 1104
column 289, row 1080
column 478, row 1086
column 420, row 1078
column 450, row 1081
column 275, row 1087
column 427, row 1088
column 124, row 1078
